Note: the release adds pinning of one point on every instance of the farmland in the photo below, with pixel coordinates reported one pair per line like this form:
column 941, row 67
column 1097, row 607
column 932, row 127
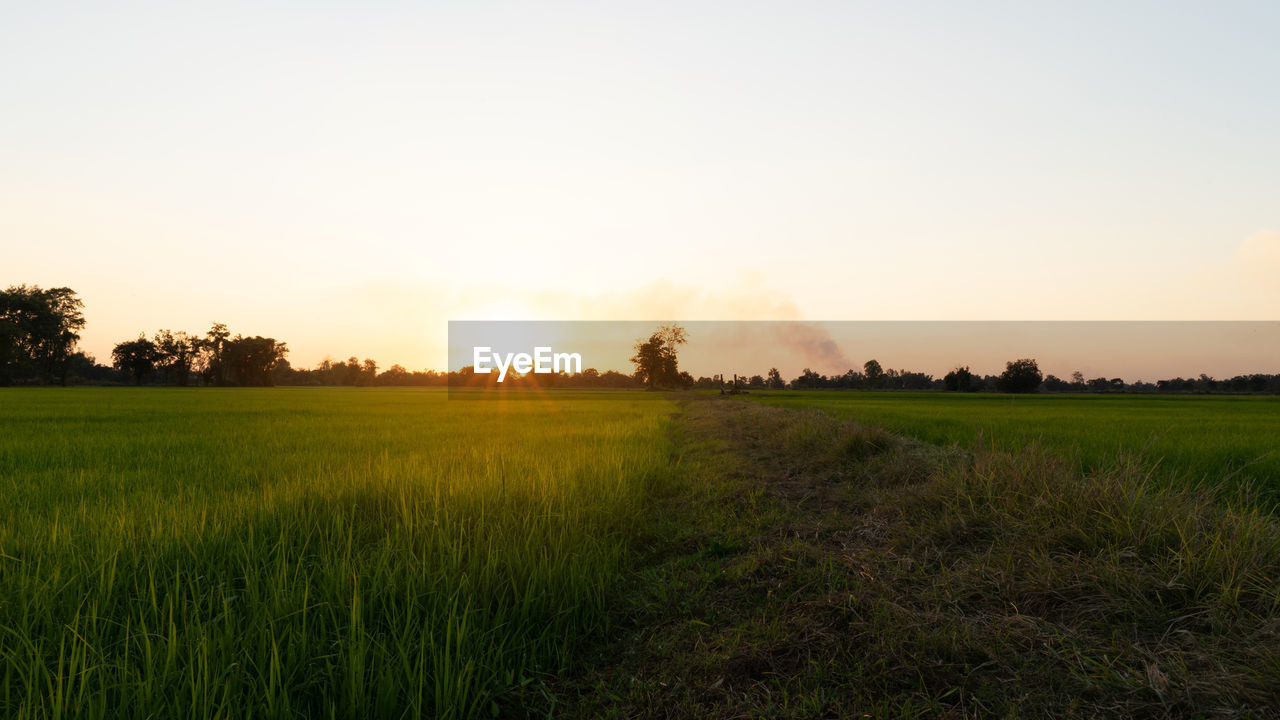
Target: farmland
column 1222, row 442
column 318, row 552
column 285, row 553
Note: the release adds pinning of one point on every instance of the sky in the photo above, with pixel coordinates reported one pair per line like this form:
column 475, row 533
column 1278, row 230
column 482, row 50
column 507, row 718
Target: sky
column 348, row 177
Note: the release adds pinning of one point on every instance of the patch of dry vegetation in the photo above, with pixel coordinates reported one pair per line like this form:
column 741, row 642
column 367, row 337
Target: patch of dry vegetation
column 815, row 567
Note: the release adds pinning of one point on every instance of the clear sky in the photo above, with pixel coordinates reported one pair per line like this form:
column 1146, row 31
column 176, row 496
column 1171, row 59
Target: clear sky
column 349, row 176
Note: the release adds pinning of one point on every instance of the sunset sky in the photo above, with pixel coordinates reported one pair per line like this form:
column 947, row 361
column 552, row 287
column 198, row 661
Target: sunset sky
column 1133, row 350
column 349, row 177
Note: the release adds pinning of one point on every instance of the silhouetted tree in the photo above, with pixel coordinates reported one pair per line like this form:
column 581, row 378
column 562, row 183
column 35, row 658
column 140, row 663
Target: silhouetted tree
column 136, row 357
column 352, row 374
column 39, row 330
column 283, row 373
column 809, row 379
column 214, row 345
column 655, row 358
column 1020, row 376
column 775, row 379
column 1053, row 383
column 85, row 368
column 175, row 353
column 959, row 380
column 874, row 373
column 394, row 375
column 250, row 360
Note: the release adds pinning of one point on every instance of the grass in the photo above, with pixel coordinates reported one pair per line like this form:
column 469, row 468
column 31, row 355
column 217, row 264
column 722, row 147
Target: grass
column 285, row 553
column 1227, row 443
column 308, row 553
column 825, row 568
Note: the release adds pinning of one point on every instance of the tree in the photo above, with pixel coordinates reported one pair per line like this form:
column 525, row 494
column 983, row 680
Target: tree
column 873, row 372
column 1020, row 376
column 175, row 353
column 136, row 357
column 39, row 330
column 251, row 360
column 809, row 379
column 214, row 345
column 775, row 379
column 1053, row 383
column 395, row 375
column 283, row 373
column 85, row 368
column 655, row 358
column 351, row 374
column 959, row 380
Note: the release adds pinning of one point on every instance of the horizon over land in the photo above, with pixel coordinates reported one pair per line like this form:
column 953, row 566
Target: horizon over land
column 44, row 326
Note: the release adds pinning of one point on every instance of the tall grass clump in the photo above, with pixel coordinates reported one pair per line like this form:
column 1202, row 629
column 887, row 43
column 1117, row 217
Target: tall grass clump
column 307, row 553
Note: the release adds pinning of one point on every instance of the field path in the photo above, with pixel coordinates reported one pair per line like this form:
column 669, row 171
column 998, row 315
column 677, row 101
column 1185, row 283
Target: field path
column 810, row 567
column 747, row 589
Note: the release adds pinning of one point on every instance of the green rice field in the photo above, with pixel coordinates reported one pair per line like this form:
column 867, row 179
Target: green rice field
column 394, row 553
column 1215, row 441
column 276, row 553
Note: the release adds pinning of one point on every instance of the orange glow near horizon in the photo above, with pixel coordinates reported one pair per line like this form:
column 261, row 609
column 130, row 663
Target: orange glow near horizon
column 351, row 188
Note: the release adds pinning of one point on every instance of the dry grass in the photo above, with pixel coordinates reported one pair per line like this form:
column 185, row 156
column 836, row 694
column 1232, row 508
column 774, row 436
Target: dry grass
column 822, row 568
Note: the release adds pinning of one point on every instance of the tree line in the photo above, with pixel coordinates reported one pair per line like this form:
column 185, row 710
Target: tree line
column 214, row 358
column 40, row 329
column 1020, row 376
